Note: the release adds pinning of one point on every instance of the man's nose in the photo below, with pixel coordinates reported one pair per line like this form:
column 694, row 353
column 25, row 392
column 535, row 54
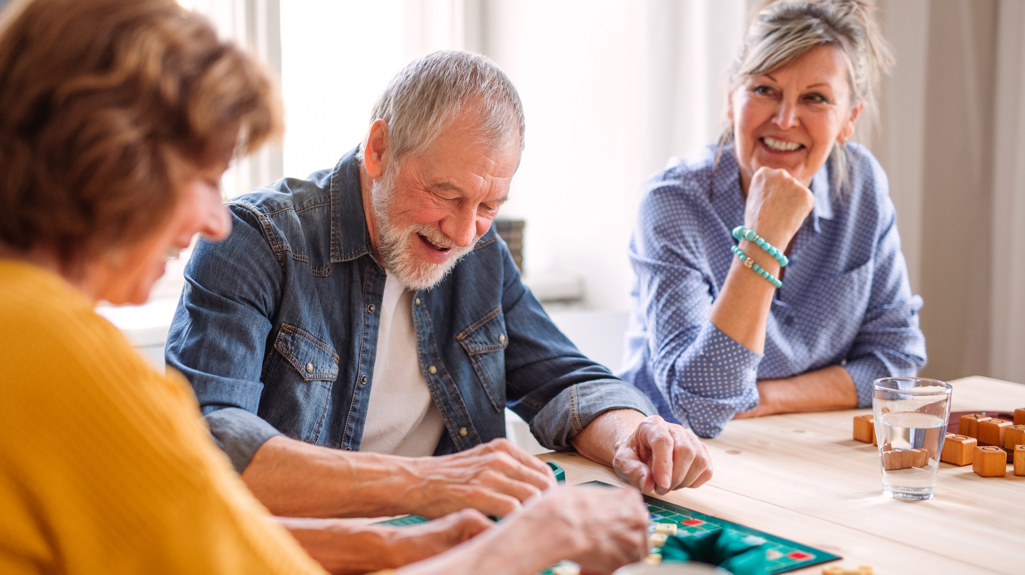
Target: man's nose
column 461, row 227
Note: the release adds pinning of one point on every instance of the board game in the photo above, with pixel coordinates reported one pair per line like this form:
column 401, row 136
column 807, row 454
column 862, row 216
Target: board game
column 782, row 554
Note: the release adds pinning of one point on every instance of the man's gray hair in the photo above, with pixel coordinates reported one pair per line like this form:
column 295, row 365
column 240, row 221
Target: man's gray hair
column 784, row 29
column 423, row 98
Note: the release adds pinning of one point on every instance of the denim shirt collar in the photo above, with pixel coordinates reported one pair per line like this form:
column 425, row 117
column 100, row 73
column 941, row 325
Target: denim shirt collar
column 727, row 196
column 350, row 238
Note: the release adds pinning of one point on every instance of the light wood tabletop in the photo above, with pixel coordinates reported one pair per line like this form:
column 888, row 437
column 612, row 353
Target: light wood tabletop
column 803, row 477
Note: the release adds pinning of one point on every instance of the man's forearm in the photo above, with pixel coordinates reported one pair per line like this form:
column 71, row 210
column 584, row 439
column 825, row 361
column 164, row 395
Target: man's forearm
column 343, row 548
column 603, row 436
column 292, row 478
column 824, row 389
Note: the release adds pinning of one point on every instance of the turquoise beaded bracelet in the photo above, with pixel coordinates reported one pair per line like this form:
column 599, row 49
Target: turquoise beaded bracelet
column 742, row 233
column 748, row 262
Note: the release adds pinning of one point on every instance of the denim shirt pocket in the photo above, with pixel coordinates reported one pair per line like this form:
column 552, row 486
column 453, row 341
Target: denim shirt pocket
column 298, row 402
column 312, row 358
column 485, row 341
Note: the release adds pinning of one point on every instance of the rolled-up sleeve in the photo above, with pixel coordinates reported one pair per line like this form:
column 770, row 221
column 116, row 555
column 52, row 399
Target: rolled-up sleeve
column 223, row 316
column 549, row 383
column 705, row 376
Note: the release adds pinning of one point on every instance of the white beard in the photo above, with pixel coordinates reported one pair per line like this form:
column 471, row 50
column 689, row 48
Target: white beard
column 397, row 245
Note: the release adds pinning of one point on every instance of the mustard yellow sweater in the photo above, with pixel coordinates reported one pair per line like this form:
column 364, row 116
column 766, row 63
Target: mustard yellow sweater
column 104, row 464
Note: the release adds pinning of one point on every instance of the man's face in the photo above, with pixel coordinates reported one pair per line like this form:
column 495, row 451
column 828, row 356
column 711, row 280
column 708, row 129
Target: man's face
column 433, row 207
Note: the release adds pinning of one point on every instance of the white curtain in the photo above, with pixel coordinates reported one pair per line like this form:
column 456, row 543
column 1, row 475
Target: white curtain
column 1007, row 232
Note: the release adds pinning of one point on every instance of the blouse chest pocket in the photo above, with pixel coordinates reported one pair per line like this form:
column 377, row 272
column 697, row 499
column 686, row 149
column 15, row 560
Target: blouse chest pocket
column 485, row 342
column 838, row 304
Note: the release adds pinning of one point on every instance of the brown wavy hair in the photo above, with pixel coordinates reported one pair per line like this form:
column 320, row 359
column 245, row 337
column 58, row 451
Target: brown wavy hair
column 106, row 108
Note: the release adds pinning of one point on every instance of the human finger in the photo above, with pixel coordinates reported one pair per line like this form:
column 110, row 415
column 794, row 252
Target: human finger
column 632, row 470
column 683, row 454
column 503, row 484
column 488, row 501
column 700, row 470
column 654, row 432
column 531, row 462
column 510, row 466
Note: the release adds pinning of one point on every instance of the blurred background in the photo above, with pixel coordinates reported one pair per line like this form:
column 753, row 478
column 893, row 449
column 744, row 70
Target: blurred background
column 613, row 88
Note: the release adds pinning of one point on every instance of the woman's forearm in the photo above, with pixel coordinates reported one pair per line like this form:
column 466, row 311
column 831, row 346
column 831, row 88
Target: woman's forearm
column 742, row 309
column 826, row 389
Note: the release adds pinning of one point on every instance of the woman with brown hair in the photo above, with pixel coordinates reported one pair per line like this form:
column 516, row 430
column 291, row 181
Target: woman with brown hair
column 117, row 120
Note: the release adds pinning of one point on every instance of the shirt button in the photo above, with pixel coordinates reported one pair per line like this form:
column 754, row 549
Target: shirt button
column 501, row 338
column 417, row 301
column 462, row 432
column 363, row 379
column 371, row 308
column 309, row 368
column 432, row 370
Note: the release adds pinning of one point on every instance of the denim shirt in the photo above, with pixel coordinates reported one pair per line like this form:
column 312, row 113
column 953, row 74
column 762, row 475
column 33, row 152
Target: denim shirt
column 277, row 330
column 845, row 300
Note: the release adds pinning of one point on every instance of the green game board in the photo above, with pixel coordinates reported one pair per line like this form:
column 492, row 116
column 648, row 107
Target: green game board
column 783, row 555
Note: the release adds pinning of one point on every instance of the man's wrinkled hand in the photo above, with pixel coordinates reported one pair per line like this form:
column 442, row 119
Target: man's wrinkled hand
column 494, row 478
column 659, row 457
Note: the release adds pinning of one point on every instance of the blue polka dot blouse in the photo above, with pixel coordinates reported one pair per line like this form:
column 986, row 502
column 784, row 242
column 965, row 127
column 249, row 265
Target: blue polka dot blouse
column 845, row 298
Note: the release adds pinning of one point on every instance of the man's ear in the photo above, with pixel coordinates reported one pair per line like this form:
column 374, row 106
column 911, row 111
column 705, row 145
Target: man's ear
column 375, row 152
column 848, row 129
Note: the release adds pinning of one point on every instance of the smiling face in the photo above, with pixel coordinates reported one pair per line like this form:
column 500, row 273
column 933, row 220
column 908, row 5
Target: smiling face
column 790, row 118
column 128, row 275
column 431, row 209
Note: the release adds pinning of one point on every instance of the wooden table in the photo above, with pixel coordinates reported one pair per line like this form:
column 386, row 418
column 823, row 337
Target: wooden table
column 802, row 477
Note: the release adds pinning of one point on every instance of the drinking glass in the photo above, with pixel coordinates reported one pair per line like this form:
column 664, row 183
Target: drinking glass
column 910, row 416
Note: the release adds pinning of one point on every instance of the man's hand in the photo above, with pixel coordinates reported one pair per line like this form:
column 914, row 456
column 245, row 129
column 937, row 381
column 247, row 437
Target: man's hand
column 418, row 542
column 649, row 453
column 494, row 478
column 660, row 457
column 343, row 548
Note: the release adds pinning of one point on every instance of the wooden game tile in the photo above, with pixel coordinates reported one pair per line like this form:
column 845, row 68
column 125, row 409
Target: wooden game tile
column 864, row 429
column 1019, row 416
column 667, row 528
column 893, row 460
column 969, row 424
column 653, row 559
column 915, row 458
column 1014, row 436
column 991, row 432
column 657, row 539
column 1019, row 460
column 989, row 461
column 957, row 449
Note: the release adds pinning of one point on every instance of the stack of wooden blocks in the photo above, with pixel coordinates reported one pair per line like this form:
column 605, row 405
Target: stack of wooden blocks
column 983, row 442
column 511, row 231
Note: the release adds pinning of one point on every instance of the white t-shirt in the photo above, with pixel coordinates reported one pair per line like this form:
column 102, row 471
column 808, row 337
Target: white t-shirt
column 402, row 417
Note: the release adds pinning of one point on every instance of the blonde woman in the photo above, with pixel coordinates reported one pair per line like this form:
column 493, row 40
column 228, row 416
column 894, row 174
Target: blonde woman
column 769, row 276
column 117, row 119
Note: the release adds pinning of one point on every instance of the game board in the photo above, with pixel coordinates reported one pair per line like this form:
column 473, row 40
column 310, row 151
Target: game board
column 783, row 555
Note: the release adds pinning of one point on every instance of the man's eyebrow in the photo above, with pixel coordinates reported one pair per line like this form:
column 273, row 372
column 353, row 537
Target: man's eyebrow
column 448, row 186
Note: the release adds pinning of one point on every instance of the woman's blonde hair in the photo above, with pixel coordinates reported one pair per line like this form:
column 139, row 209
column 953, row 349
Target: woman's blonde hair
column 106, row 108
column 782, row 30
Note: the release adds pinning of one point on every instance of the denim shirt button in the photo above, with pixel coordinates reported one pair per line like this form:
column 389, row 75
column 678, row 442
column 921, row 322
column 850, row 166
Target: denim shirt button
column 363, row 379
column 309, row 368
column 501, row 338
column 462, row 432
column 371, row 308
column 417, row 301
column 433, row 370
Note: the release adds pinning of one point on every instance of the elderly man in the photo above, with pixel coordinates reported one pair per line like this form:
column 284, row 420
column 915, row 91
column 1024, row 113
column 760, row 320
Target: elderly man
column 359, row 321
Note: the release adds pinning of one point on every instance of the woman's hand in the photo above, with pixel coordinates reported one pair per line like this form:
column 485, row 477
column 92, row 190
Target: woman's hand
column 777, row 205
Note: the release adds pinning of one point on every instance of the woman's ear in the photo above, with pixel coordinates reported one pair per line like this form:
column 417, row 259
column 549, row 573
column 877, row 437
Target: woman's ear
column 848, row 130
